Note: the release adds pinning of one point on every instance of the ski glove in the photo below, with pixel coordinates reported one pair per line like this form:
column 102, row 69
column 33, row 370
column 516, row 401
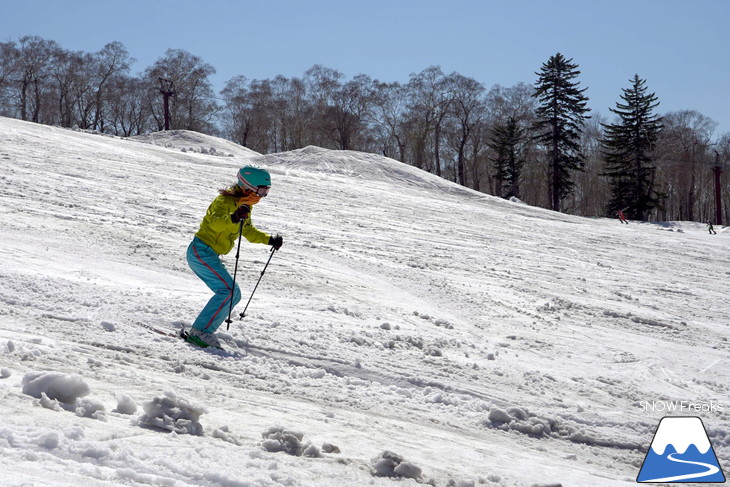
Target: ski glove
column 276, row 242
column 241, row 213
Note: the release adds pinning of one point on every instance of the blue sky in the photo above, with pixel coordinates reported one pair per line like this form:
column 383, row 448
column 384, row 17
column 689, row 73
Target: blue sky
column 681, row 47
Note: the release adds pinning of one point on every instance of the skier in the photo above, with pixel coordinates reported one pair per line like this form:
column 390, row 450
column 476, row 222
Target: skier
column 621, row 216
column 228, row 216
column 710, row 228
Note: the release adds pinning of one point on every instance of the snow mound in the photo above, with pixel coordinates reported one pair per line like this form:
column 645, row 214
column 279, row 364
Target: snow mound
column 195, row 142
column 173, row 414
column 360, row 166
column 57, row 386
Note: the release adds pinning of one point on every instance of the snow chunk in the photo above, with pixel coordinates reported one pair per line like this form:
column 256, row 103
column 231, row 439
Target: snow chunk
column 312, row 451
column 49, row 441
column 389, row 464
column 47, row 403
column 330, row 448
column 108, row 326
column 5, row 373
column 87, row 408
column 125, row 404
column 519, row 419
column 407, row 470
column 55, row 385
column 225, row 434
column 173, row 414
column 278, row 439
column 497, row 415
column 75, row 433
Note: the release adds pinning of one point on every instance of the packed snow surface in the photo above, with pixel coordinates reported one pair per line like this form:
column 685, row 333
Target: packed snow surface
column 410, row 331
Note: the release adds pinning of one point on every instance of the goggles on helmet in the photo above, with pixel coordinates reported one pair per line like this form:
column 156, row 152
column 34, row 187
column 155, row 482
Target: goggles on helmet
column 259, row 190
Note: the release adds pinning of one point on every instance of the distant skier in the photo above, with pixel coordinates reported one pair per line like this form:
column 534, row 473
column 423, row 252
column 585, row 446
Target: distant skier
column 621, row 217
column 227, row 215
column 710, row 228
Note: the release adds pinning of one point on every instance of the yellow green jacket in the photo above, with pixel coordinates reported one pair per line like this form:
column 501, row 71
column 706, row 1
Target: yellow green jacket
column 220, row 233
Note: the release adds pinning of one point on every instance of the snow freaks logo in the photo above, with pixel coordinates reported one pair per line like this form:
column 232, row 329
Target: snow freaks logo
column 681, row 452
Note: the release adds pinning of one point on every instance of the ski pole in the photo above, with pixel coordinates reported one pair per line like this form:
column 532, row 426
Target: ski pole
column 235, row 270
column 243, row 313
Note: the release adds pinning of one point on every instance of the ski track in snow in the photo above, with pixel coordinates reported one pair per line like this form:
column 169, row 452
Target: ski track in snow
column 484, row 340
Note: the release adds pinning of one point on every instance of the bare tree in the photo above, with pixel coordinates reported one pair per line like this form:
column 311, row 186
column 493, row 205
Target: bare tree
column 83, row 93
column 262, row 114
column 9, row 67
column 468, row 109
column 477, row 150
column 685, row 161
column 430, row 99
column 592, row 191
column 127, row 110
column 300, row 113
column 67, row 71
column 295, row 123
column 237, row 119
column 34, row 56
column 194, row 106
column 722, row 164
column 111, row 61
column 515, row 102
column 388, row 118
column 349, row 112
column 322, row 84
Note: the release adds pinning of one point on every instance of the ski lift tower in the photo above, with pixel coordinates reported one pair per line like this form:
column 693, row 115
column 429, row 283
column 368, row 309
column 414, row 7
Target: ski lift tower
column 167, row 89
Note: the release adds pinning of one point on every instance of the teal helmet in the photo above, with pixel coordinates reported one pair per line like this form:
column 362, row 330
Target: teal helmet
column 253, row 177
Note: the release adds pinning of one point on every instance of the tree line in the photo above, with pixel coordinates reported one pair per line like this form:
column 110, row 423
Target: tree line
column 537, row 142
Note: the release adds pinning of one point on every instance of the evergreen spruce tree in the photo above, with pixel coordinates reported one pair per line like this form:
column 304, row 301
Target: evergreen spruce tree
column 507, row 141
column 560, row 119
column 627, row 149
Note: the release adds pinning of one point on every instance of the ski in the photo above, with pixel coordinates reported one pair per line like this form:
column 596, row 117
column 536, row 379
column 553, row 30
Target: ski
column 159, row 331
column 183, row 334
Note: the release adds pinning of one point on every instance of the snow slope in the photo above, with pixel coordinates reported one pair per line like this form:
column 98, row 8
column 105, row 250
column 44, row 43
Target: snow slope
column 409, row 331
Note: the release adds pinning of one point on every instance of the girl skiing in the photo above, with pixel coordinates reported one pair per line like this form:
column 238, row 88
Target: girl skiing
column 228, row 216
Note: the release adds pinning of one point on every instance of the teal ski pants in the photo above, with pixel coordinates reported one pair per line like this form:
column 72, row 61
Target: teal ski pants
column 207, row 265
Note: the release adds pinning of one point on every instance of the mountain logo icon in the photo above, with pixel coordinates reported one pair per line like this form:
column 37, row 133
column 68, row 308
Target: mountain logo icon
column 681, row 452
